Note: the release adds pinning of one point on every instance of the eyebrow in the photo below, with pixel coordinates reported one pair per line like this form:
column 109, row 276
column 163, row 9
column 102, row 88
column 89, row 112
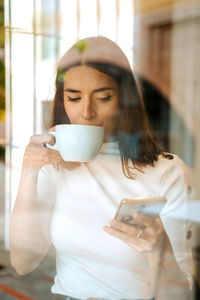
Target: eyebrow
column 95, row 91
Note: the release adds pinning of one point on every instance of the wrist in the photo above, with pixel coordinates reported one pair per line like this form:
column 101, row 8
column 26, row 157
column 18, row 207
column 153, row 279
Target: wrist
column 162, row 250
column 30, row 172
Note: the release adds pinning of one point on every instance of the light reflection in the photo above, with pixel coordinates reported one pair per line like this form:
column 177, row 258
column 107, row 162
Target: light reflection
column 183, row 90
column 88, row 18
column 22, row 15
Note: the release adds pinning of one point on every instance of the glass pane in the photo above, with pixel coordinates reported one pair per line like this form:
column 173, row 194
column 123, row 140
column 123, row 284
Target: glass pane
column 68, row 23
column 6, row 12
column 107, row 26
column 167, row 64
column 88, row 22
column 22, row 90
column 22, row 14
column 49, row 47
column 125, row 28
column 47, row 16
column 45, row 75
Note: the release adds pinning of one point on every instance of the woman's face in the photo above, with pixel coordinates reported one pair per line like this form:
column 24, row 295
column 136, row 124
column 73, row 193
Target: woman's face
column 91, row 98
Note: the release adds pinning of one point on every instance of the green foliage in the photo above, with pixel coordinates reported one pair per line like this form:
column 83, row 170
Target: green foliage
column 81, row 46
column 60, row 76
column 2, row 66
column 2, row 91
column 2, row 73
column 2, row 114
column 2, row 24
column 1, row 12
column 2, row 86
column 2, row 37
column 2, row 152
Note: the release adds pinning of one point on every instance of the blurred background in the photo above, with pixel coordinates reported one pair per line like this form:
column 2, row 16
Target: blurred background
column 161, row 39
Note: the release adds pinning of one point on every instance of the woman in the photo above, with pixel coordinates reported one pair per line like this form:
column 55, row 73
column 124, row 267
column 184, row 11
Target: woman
column 95, row 86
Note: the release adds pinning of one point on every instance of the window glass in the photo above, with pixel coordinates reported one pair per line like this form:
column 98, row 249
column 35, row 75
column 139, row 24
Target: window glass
column 47, row 16
column 22, row 14
column 88, row 26
column 68, row 24
column 22, row 96
column 126, row 28
column 44, row 78
column 107, row 26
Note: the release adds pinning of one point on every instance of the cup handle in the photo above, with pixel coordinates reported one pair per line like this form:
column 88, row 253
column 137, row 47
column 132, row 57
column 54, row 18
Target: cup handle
column 54, row 147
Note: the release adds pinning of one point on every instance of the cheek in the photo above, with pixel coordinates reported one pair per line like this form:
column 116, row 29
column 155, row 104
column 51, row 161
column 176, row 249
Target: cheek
column 71, row 111
column 110, row 111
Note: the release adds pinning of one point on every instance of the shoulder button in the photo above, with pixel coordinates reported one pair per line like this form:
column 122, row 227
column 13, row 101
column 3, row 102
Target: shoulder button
column 189, row 189
column 189, row 234
column 169, row 156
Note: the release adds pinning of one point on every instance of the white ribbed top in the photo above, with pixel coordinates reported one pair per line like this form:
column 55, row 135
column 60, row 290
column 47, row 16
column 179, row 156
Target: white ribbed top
column 91, row 263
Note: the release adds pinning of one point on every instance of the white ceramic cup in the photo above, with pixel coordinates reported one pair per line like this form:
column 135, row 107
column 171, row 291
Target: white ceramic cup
column 79, row 143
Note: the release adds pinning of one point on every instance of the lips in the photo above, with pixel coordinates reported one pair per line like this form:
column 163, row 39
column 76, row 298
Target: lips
column 89, row 124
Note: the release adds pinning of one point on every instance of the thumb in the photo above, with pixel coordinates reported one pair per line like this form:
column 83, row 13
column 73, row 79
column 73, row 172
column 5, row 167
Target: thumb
column 51, row 139
column 52, row 129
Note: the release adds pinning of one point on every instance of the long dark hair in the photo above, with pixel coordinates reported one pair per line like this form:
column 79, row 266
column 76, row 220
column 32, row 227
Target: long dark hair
column 138, row 144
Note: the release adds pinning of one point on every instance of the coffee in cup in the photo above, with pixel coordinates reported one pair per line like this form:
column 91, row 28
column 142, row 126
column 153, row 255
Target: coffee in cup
column 77, row 143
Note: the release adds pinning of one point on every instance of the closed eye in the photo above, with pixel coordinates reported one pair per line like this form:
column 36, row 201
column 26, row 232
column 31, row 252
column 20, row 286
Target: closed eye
column 78, row 98
column 105, row 98
column 73, row 99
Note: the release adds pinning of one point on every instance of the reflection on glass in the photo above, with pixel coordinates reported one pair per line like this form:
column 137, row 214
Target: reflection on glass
column 88, row 26
column 125, row 28
column 49, row 13
column 68, row 24
column 166, row 64
column 45, row 69
column 107, row 25
column 49, row 47
column 22, row 101
column 22, row 15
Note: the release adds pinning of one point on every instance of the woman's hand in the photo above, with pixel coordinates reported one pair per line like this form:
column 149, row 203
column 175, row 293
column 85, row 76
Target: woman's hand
column 37, row 154
column 166, row 278
column 148, row 239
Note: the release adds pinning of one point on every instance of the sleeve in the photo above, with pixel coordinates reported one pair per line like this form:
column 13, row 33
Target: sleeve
column 175, row 187
column 46, row 196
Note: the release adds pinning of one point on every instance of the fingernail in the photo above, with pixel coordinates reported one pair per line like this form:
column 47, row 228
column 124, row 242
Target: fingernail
column 106, row 228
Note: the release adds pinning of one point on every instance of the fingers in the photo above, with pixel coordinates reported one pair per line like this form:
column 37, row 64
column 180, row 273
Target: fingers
column 146, row 241
column 52, row 129
column 39, row 152
column 131, row 231
column 154, row 226
column 138, row 245
column 116, row 233
column 53, row 156
column 128, row 229
column 143, row 219
column 36, row 149
column 42, row 139
column 52, row 140
column 37, row 155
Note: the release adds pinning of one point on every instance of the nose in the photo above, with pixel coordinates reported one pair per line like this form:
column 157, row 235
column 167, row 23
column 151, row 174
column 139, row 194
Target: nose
column 88, row 110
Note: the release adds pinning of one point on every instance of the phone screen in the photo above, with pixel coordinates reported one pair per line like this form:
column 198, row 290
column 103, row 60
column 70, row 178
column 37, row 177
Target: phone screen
column 127, row 210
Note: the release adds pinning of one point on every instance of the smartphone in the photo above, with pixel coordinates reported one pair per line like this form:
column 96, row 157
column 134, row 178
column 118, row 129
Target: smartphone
column 150, row 207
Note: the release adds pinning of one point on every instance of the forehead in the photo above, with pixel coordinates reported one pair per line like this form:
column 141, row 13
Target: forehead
column 83, row 75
